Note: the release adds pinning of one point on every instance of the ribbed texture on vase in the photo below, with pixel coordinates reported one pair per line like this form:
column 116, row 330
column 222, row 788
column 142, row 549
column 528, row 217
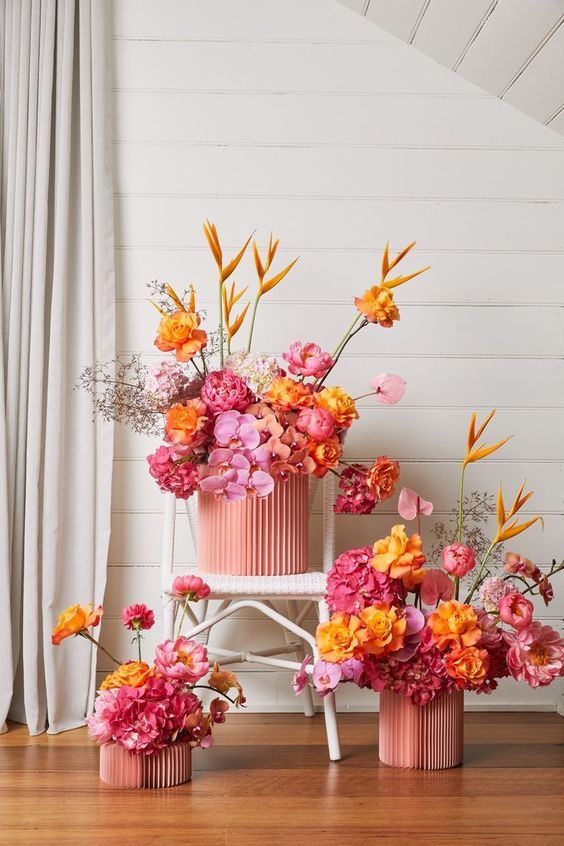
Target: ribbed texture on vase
column 265, row 536
column 166, row 768
column 422, row 737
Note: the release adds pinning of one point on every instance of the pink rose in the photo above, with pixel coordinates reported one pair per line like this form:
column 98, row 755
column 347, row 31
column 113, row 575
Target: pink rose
column 307, row 360
column 318, row 423
column 515, row 610
column 458, row 559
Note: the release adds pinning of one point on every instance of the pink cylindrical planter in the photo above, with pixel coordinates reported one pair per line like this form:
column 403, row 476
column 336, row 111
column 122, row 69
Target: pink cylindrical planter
column 422, row 737
column 259, row 536
column 166, row 768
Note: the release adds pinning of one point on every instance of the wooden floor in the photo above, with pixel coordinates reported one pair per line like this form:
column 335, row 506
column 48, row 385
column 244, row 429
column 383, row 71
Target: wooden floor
column 268, row 781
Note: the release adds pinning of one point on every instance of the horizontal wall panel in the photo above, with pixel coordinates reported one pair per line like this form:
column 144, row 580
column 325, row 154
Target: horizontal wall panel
column 423, row 433
column 394, row 68
column 356, row 224
column 336, row 275
column 135, row 490
column 437, row 330
column 282, row 171
column 311, row 119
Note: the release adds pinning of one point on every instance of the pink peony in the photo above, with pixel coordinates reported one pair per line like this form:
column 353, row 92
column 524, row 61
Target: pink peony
column 299, row 679
column 436, row 587
column 326, row 676
column 182, row 660
column 353, row 584
column 318, row 423
column 190, row 587
column 236, row 431
column 223, row 390
column 411, row 505
column 138, row 617
column 491, row 592
column 389, row 389
column 307, row 360
column 515, row 610
column 535, row 654
column 172, row 474
column 458, row 559
column 356, row 498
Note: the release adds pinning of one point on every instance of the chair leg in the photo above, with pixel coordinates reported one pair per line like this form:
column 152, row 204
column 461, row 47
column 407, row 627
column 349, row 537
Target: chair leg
column 329, row 706
column 300, row 653
column 169, row 615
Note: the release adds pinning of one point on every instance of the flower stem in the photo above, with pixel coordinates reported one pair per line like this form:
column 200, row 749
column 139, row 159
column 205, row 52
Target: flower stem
column 138, row 633
column 220, row 321
column 253, row 318
column 480, row 571
column 341, row 346
column 460, row 497
column 184, row 609
column 98, row 645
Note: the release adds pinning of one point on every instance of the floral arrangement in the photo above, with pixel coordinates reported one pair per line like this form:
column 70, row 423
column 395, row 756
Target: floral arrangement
column 399, row 625
column 236, row 422
column 146, row 707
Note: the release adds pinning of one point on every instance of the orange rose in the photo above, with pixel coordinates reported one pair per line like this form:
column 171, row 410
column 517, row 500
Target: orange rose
column 285, row 393
column 326, row 455
column 74, row 620
column 454, row 624
column 338, row 639
column 183, row 422
column 339, row 405
column 468, row 666
column 397, row 554
column 378, row 306
column 132, row 674
column 382, row 477
column 384, row 629
column 179, row 331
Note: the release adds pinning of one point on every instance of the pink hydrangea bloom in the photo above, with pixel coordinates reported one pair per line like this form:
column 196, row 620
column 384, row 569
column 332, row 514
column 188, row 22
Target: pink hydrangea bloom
column 172, row 475
column 491, row 591
column 515, row 610
column 307, row 360
column 190, row 587
column 389, row 389
column 458, row 559
column 223, row 390
column 353, row 584
column 257, row 370
column 535, row 654
column 326, row 676
column 165, row 384
column 138, row 617
column 356, row 498
column 182, row 660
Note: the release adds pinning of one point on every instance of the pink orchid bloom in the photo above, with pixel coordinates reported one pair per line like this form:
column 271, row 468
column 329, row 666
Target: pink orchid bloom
column 299, row 679
column 260, row 484
column 389, row 389
column 352, row 670
column 436, row 587
column 218, row 708
column 228, row 459
column 272, row 450
column 326, row 676
column 229, row 486
column 415, row 620
column 294, row 439
column 410, row 505
column 235, row 430
column 307, row 360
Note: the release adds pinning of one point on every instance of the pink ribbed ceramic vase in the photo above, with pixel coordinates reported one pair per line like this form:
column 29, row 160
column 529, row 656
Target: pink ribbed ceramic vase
column 166, row 768
column 422, row 737
column 265, row 536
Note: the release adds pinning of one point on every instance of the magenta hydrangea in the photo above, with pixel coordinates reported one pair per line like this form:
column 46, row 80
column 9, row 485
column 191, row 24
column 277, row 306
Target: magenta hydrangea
column 172, row 475
column 356, row 497
column 223, row 390
column 353, row 584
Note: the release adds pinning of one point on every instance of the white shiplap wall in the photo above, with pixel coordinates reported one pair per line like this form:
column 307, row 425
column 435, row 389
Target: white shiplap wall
column 304, row 118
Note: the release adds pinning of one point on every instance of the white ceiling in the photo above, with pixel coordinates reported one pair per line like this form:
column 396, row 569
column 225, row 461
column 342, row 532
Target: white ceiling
column 511, row 48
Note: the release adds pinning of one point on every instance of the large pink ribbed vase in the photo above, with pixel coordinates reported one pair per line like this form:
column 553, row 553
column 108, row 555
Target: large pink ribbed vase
column 166, row 768
column 265, row 536
column 422, row 737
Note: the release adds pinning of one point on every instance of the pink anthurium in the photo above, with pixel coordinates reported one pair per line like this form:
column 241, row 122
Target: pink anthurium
column 411, row 505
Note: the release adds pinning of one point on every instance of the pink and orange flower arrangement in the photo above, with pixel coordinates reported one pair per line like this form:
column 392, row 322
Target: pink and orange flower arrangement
column 235, row 423
column 145, row 708
column 401, row 626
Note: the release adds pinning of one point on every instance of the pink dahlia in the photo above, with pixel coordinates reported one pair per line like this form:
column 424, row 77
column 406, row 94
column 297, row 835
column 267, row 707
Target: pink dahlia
column 535, row 654
column 356, row 497
column 182, row 660
column 173, row 474
column 138, row 617
column 307, row 360
column 223, row 390
column 353, row 584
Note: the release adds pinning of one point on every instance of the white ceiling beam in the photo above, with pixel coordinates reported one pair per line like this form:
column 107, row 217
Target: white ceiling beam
column 447, row 28
column 538, row 88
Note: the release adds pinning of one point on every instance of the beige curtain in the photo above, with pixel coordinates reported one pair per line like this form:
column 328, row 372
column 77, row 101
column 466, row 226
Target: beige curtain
column 56, row 316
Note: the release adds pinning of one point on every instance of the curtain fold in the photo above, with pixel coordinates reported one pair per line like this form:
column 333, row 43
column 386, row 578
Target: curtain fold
column 56, row 316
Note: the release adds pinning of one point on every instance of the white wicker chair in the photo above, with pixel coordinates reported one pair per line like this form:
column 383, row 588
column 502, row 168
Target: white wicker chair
column 259, row 593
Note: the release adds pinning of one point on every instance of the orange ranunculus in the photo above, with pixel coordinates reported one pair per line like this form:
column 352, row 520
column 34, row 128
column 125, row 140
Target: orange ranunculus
column 339, row 639
column 183, row 422
column 179, row 332
column 398, row 554
column 454, row 624
column 382, row 477
column 339, row 405
column 75, row 619
column 384, row 629
column 378, row 306
column 468, row 666
column 326, row 455
column 132, row 674
column 285, row 393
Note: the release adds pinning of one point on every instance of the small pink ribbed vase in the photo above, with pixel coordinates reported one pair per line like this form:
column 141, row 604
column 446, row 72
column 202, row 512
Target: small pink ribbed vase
column 166, row 768
column 265, row 536
column 421, row 737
